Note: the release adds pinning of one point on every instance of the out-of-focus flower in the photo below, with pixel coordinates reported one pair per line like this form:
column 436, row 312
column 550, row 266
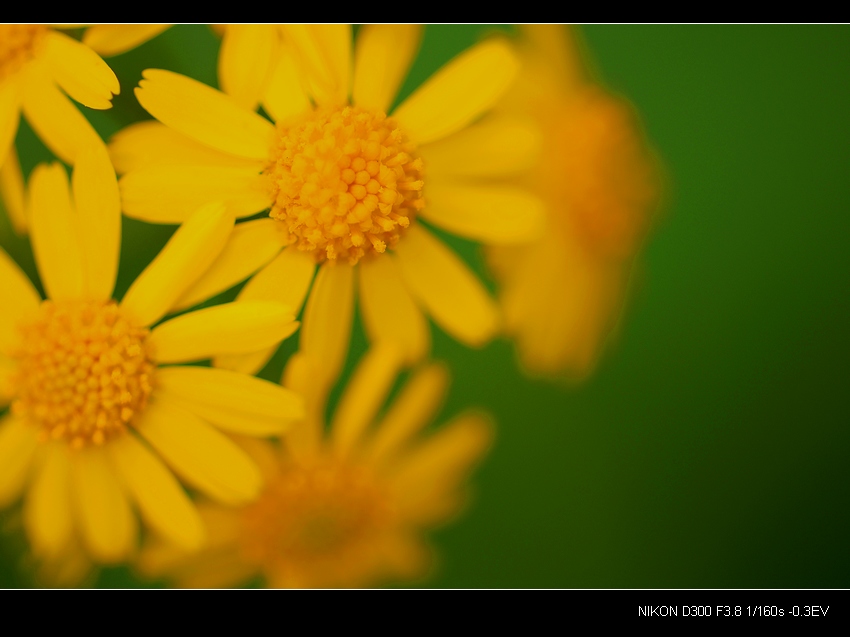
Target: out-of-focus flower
column 346, row 506
column 113, row 39
column 563, row 295
column 35, row 62
column 347, row 185
column 98, row 410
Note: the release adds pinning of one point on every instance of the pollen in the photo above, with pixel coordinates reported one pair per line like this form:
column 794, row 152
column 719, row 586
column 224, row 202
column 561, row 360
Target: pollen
column 83, row 372
column 319, row 519
column 19, row 44
column 346, row 183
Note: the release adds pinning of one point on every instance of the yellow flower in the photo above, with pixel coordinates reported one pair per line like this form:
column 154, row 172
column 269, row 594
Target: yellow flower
column 562, row 295
column 97, row 408
column 35, row 62
column 347, row 184
column 114, row 39
column 345, row 508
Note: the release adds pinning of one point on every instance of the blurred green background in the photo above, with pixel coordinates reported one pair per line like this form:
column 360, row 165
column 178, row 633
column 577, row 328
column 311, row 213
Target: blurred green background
column 711, row 447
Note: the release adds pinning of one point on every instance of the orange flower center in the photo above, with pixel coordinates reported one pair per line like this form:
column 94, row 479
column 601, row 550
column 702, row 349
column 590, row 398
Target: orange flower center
column 321, row 522
column 83, row 371
column 346, row 182
column 18, row 45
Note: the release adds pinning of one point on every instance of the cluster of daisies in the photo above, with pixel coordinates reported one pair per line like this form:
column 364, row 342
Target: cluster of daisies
column 134, row 428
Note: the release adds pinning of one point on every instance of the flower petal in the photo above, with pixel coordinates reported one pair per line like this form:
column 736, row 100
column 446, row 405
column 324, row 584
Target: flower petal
column 202, row 456
column 285, row 280
column 56, row 120
column 103, row 512
column 383, row 54
column 55, row 233
column 230, row 328
column 285, row 95
column 98, row 207
column 10, row 113
column 7, row 376
column 494, row 214
column 12, row 191
column 494, row 147
column 112, row 39
column 389, row 312
column 363, row 397
column 327, row 319
column 189, row 252
column 415, row 407
column 324, row 52
column 151, row 142
column 18, row 444
column 80, row 72
column 251, row 246
column 205, row 114
column 446, row 287
column 245, row 61
column 232, row 401
column 162, row 502
column 459, row 92
column 18, row 299
column 162, row 193
column 48, row 518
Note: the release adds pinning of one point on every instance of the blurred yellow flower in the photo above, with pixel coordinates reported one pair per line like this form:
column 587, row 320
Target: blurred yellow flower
column 344, row 508
column 35, row 62
column 563, row 295
column 346, row 183
column 95, row 414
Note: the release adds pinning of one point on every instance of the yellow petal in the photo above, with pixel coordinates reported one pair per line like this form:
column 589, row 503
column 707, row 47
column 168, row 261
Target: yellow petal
column 285, row 95
column 48, row 518
column 415, row 407
column 495, row 147
column 389, row 312
column 300, row 376
column 18, row 444
column 459, row 92
column 285, row 280
column 324, row 52
column 112, row 39
column 10, row 112
column 12, row 191
column 232, row 401
column 99, row 219
column 186, row 256
column 56, row 120
column 151, row 142
column 446, row 287
column 205, row 114
column 7, row 376
column 327, row 319
column 169, row 194
column 245, row 60
column 230, row 328
column 202, row 456
column 251, row 246
column 80, row 72
column 18, row 299
column 55, row 233
column 363, row 397
column 383, row 54
column 101, row 507
column 250, row 364
column 494, row 214
column 161, row 500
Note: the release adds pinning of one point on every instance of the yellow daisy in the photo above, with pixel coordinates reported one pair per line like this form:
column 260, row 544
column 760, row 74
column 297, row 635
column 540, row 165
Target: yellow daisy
column 98, row 410
column 562, row 295
column 344, row 508
column 346, row 183
column 35, row 63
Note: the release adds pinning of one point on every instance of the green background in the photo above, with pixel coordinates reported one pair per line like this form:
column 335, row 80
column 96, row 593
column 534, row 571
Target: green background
column 710, row 449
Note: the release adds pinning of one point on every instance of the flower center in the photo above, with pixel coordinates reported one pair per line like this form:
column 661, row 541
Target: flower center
column 346, row 182
column 600, row 171
column 18, row 45
column 83, row 371
column 320, row 521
